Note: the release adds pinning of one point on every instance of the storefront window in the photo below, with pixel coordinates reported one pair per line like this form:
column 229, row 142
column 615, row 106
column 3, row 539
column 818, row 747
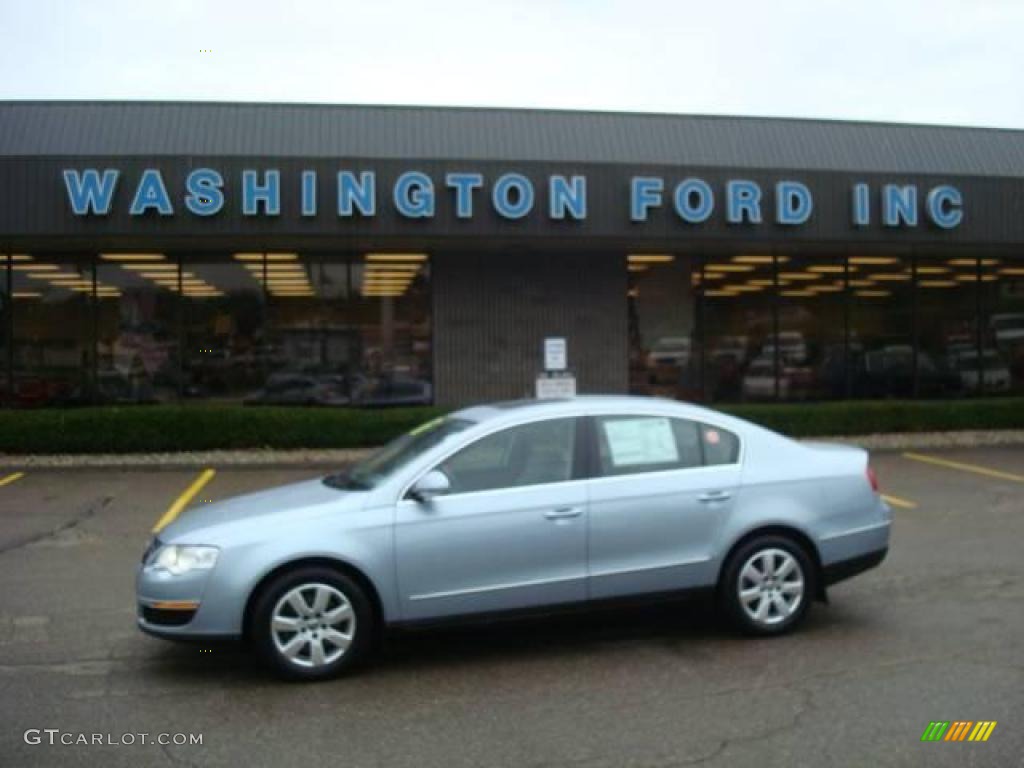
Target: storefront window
column 52, row 330
column 881, row 349
column 137, row 340
column 349, row 330
column 858, row 326
column 340, row 329
column 1002, row 324
column 664, row 352
column 391, row 309
column 225, row 352
column 810, row 353
column 315, row 350
column 947, row 322
column 740, row 326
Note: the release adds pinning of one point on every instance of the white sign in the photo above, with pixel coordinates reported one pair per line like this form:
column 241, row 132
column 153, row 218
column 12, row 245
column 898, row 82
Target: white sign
column 556, row 387
column 643, row 440
column 555, row 353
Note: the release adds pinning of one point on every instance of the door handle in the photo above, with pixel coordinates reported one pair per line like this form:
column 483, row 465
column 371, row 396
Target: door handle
column 711, row 496
column 562, row 513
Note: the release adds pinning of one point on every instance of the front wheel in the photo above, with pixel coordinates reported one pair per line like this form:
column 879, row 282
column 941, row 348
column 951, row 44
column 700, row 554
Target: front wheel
column 312, row 623
column 767, row 585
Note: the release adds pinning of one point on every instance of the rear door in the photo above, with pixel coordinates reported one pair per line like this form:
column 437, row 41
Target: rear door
column 661, row 491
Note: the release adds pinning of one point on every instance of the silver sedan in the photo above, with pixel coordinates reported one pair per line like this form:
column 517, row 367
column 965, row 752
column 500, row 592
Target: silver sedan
column 515, row 506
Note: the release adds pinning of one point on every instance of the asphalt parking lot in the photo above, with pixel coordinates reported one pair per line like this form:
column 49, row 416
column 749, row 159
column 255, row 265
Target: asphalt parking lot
column 935, row 633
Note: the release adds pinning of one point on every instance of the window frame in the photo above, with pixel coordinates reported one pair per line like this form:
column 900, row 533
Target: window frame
column 594, row 457
column 580, row 458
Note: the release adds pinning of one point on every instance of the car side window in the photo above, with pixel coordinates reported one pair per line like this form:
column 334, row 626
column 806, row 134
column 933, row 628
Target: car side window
column 720, row 446
column 631, row 444
column 530, row 454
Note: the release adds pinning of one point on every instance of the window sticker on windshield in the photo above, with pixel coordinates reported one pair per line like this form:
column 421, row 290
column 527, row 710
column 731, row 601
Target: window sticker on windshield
column 647, row 440
column 424, row 427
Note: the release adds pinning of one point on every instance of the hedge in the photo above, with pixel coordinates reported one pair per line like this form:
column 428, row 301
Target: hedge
column 854, row 417
column 159, row 428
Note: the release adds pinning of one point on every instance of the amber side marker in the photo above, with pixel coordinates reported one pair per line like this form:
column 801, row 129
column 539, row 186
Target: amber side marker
column 175, row 605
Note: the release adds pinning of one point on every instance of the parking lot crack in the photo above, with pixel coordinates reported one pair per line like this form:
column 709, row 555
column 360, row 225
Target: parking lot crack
column 804, row 706
column 174, row 759
column 84, row 514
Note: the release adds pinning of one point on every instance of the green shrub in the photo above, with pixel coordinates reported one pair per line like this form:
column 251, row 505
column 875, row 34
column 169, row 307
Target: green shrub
column 855, row 417
column 161, row 428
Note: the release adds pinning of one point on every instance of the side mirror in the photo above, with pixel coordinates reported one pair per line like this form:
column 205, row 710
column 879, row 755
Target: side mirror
column 434, row 483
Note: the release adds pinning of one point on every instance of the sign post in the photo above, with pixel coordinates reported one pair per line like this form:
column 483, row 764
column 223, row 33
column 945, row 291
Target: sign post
column 556, row 381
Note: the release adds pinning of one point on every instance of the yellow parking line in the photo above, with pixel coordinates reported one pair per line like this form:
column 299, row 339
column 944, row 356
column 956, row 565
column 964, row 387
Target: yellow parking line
column 182, row 501
column 11, row 478
column 965, row 467
column 896, row 501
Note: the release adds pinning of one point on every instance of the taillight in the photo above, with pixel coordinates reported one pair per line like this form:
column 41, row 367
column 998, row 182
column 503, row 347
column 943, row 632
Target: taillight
column 873, row 479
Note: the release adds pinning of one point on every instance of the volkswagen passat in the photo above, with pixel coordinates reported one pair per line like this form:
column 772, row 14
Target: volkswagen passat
column 520, row 505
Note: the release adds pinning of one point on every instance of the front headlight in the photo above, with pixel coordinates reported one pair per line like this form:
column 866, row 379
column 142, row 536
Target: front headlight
column 182, row 558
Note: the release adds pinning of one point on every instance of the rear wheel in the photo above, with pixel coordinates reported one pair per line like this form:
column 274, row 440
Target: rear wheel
column 767, row 585
column 312, row 623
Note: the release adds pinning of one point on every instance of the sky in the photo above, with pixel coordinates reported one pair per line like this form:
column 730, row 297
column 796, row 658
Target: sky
column 955, row 62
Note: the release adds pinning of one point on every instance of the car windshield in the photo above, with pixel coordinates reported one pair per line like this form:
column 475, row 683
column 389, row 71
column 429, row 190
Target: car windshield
column 365, row 474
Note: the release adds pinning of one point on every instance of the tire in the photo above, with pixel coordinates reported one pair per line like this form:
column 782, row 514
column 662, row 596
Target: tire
column 779, row 601
column 332, row 634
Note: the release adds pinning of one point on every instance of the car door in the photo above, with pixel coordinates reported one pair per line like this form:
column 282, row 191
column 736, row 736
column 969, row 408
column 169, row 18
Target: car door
column 510, row 533
column 661, row 491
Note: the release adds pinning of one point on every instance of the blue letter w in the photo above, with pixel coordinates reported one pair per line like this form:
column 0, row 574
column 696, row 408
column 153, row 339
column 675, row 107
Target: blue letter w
column 88, row 192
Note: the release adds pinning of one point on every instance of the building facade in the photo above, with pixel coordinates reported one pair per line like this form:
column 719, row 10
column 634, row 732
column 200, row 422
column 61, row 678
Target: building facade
column 374, row 256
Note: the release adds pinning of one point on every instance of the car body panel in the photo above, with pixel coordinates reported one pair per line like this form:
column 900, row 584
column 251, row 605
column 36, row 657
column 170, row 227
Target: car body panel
column 492, row 550
column 657, row 534
column 260, row 532
column 498, row 550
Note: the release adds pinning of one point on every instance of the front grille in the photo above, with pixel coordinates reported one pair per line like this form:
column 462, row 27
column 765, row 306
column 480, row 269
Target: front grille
column 162, row 617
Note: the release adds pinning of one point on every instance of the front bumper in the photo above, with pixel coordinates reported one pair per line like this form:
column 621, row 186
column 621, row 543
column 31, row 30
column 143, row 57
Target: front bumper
column 173, row 607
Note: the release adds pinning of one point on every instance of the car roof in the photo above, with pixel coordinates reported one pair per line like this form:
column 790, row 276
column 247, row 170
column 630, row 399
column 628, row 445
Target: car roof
column 519, row 410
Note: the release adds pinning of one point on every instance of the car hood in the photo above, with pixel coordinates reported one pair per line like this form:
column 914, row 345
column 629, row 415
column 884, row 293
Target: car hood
column 284, row 504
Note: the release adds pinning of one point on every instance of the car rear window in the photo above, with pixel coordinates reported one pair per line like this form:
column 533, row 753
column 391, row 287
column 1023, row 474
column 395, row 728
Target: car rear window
column 720, row 446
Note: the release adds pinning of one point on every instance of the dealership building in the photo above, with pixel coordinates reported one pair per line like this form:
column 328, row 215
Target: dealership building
column 372, row 256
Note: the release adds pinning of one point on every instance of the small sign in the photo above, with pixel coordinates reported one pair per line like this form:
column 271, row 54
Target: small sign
column 643, row 440
column 556, row 387
column 555, row 353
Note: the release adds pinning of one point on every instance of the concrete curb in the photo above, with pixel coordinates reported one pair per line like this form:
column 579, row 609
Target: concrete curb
column 261, row 459
column 254, row 459
column 919, row 441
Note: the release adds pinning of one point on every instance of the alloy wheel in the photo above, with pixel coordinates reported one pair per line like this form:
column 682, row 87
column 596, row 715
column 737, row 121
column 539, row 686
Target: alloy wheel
column 313, row 625
column 770, row 586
